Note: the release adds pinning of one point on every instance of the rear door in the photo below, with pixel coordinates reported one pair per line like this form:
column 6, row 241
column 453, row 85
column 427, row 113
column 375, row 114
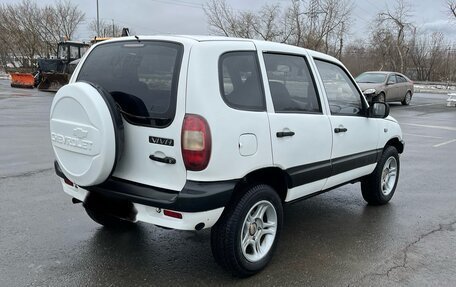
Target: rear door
column 147, row 80
column 393, row 88
column 300, row 131
column 403, row 86
column 355, row 136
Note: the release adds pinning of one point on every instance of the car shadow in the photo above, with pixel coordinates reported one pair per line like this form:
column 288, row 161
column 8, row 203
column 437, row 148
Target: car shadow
column 317, row 234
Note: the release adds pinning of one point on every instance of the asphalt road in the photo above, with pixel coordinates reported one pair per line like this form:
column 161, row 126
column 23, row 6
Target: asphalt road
column 333, row 239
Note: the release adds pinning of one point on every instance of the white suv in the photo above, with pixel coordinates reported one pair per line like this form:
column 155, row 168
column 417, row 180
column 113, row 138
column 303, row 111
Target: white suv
column 197, row 132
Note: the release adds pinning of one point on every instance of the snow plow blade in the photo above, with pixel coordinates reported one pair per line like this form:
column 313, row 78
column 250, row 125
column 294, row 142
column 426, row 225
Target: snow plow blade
column 52, row 82
column 22, row 80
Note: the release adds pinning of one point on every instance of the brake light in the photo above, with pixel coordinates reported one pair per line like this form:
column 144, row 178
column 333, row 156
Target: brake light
column 196, row 142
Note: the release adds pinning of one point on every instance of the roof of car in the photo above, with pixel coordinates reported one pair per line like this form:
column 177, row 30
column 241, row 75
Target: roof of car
column 203, row 38
column 381, row 72
column 198, row 38
column 264, row 45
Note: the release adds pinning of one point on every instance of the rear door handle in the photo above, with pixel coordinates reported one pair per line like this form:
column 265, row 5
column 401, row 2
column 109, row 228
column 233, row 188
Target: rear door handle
column 167, row 159
column 340, row 130
column 284, row 134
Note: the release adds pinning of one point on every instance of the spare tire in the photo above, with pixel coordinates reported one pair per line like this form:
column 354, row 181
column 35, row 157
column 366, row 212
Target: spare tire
column 86, row 133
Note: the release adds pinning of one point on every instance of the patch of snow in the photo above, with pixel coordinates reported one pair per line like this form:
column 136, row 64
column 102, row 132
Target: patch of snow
column 434, row 88
column 4, row 76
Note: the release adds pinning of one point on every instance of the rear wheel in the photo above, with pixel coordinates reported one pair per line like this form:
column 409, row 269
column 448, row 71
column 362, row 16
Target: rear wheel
column 407, row 99
column 245, row 237
column 378, row 188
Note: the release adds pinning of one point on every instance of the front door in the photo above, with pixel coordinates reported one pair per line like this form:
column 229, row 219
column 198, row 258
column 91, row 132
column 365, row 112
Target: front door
column 355, row 136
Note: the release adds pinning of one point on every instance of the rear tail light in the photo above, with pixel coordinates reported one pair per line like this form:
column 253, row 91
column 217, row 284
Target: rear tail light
column 196, row 142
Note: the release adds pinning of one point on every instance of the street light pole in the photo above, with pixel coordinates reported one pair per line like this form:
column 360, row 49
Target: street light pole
column 98, row 21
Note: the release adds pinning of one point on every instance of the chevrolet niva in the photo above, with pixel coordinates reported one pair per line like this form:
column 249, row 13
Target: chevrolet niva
column 189, row 132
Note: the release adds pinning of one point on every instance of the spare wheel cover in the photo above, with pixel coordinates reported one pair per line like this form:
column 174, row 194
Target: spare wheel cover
column 86, row 133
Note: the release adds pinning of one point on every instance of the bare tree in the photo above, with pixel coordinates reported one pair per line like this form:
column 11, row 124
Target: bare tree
column 397, row 22
column 427, row 54
column 107, row 29
column 319, row 25
column 270, row 23
column 28, row 31
column 329, row 23
column 59, row 23
column 452, row 7
column 222, row 19
column 20, row 33
column 359, row 57
column 67, row 17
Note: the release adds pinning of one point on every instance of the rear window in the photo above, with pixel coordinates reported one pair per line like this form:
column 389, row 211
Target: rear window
column 141, row 76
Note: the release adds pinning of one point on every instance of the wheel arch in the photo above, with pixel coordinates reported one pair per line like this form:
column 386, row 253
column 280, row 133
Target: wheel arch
column 395, row 142
column 272, row 176
column 380, row 93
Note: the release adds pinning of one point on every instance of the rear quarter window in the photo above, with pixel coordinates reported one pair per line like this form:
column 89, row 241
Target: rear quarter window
column 240, row 81
column 142, row 78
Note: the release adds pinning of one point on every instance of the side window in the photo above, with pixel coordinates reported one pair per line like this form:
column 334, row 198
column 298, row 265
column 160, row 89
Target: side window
column 74, row 52
column 400, row 79
column 343, row 97
column 240, row 82
column 291, row 84
column 391, row 80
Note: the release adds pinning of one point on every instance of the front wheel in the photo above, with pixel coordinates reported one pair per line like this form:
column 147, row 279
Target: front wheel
column 245, row 237
column 378, row 188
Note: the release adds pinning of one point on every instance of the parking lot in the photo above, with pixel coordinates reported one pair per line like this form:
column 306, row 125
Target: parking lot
column 330, row 240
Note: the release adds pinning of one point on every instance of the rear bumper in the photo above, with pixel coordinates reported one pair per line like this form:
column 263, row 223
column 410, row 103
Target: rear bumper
column 155, row 215
column 194, row 197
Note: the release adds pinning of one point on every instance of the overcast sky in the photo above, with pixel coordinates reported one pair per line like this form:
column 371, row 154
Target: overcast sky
column 187, row 16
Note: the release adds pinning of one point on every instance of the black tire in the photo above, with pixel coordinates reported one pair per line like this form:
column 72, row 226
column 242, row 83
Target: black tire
column 372, row 185
column 109, row 221
column 380, row 98
column 226, row 234
column 407, row 99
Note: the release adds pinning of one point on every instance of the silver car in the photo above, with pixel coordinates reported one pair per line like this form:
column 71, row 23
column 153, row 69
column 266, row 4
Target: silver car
column 382, row 86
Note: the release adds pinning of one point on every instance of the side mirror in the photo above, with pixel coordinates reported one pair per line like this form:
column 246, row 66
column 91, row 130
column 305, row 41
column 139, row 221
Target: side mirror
column 379, row 110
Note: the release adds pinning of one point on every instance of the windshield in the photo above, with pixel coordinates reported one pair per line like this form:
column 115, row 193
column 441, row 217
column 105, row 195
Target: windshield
column 141, row 77
column 377, row 78
column 62, row 52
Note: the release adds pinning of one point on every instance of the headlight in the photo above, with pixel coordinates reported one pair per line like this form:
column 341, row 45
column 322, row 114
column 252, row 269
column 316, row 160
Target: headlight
column 369, row 91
